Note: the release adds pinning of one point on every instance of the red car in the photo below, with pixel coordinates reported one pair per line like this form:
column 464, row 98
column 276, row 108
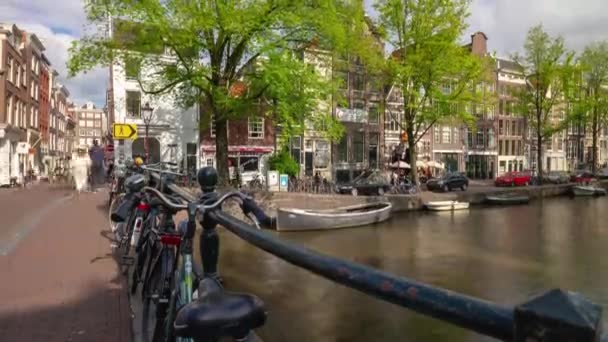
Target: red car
column 514, row 179
column 584, row 177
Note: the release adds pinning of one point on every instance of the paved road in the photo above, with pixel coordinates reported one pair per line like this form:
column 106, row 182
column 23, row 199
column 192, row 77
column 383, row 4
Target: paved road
column 59, row 279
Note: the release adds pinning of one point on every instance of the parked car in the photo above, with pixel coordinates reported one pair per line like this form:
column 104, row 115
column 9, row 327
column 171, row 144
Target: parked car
column 514, row 179
column 556, row 177
column 448, row 182
column 367, row 183
column 582, row 176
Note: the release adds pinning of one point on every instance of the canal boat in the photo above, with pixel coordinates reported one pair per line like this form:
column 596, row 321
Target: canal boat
column 507, row 199
column 291, row 219
column 588, row 190
column 446, row 205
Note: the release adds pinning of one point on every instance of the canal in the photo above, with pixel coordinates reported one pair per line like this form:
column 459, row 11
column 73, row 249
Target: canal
column 501, row 254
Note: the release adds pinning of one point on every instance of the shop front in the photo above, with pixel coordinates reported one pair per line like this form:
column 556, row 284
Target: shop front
column 481, row 166
column 247, row 159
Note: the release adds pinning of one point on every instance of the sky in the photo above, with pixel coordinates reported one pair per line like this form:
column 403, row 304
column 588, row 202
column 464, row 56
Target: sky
column 58, row 22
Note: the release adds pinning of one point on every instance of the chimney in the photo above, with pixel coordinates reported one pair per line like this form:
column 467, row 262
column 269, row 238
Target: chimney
column 479, row 43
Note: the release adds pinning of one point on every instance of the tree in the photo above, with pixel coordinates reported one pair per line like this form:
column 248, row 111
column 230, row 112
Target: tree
column 548, row 71
column 427, row 57
column 229, row 56
column 594, row 98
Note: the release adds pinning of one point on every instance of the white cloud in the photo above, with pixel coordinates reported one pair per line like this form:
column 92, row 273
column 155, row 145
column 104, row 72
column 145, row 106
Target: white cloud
column 506, row 22
column 57, row 24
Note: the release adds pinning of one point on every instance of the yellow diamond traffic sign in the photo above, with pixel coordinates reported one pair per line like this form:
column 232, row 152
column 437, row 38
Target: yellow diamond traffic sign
column 122, row 131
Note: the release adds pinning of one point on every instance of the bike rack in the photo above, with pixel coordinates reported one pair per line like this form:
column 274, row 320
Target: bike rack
column 556, row 315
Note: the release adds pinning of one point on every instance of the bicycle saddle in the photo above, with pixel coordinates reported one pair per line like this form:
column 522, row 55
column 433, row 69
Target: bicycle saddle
column 216, row 314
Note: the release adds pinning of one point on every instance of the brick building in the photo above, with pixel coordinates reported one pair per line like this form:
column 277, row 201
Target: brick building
column 249, row 142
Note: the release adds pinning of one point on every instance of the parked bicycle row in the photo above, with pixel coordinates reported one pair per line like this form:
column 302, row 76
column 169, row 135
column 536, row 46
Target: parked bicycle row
column 181, row 300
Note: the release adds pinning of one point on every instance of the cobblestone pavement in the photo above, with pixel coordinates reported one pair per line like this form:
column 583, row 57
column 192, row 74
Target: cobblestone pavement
column 60, row 281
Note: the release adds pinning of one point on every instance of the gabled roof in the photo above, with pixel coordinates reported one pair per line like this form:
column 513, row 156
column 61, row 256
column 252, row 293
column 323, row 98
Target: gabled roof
column 508, row 65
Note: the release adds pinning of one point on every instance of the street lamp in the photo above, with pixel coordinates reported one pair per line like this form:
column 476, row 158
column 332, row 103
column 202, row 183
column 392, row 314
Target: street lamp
column 147, row 114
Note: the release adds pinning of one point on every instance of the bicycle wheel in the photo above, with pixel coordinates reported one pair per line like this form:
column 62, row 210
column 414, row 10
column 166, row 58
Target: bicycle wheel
column 113, row 206
column 156, row 298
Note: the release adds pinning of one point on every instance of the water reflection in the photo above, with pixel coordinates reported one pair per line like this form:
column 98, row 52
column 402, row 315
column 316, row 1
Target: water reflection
column 500, row 254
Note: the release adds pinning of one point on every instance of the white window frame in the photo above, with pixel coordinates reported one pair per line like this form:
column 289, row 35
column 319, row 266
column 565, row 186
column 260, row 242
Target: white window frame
column 255, row 133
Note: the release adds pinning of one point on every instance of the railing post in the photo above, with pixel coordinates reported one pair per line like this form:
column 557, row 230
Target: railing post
column 558, row 316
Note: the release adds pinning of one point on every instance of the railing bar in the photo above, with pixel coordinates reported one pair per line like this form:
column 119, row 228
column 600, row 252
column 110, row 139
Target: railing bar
column 481, row 316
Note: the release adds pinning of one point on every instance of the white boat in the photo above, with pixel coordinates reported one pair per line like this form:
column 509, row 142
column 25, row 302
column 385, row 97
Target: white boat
column 291, row 219
column 446, row 205
column 588, row 190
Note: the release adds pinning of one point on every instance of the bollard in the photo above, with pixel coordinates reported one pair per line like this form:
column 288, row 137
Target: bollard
column 558, row 316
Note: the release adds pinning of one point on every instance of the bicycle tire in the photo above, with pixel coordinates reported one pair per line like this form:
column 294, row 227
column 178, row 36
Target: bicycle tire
column 153, row 328
column 115, row 202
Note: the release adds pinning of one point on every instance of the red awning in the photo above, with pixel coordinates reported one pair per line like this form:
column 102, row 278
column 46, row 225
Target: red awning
column 241, row 149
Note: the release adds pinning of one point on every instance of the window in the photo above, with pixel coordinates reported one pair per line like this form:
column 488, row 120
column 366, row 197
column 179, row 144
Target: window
column 391, row 120
column 89, row 123
column 342, row 149
column 296, row 148
column 23, row 82
column 133, row 103
column 513, row 150
column 446, row 135
column 256, row 127
column 500, row 148
column 372, row 150
column 456, row 136
column 212, row 125
column 9, row 109
column 470, row 138
column 132, row 69
column 358, row 81
column 373, row 114
column 507, row 125
column 513, row 126
column 437, row 134
column 97, row 123
column 322, row 154
column 500, row 128
column 490, row 138
column 358, row 144
column 9, row 66
column 209, row 162
column 480, row 138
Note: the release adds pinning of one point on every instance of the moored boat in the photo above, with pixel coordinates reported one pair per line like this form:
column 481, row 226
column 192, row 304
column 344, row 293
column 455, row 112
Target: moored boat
column 507, row 199
column 446, row 205
column 588, row 190
column 291, row 219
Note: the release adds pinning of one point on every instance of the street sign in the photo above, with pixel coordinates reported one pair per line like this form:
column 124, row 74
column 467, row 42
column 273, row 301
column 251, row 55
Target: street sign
column 121, row 131
column 23, row 148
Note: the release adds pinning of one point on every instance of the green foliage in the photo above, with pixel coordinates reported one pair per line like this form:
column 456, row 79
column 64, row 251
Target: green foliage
column 549, row 71
column 591, row 102
column 428, row 58
column 214, row 45
column 284, row 163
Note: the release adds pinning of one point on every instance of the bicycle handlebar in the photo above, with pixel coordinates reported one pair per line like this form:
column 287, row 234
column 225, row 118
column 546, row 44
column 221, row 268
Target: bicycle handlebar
column 147, row 168
column 199, row 207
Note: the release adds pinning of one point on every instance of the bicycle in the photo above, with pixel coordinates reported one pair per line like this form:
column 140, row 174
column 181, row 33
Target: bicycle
column 169, row 310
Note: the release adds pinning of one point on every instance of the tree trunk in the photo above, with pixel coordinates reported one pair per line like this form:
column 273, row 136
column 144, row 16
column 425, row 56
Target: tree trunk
column 411, row 144
column 539, row 155
column 221, row 150
column 594, row 132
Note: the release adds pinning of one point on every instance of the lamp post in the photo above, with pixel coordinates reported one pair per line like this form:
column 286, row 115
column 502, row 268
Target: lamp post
column 147, row 113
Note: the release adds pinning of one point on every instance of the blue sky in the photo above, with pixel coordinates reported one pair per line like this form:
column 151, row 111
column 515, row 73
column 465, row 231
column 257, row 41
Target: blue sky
column 505, row 22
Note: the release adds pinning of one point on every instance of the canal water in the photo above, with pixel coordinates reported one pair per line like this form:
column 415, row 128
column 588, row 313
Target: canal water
column 500, row 254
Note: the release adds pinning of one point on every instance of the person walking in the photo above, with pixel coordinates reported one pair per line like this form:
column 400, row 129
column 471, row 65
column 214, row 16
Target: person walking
column 97, row 175
column 80, row 169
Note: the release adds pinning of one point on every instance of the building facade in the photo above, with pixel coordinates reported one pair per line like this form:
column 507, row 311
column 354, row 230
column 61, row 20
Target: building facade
column 89, row 122
column 173, row 132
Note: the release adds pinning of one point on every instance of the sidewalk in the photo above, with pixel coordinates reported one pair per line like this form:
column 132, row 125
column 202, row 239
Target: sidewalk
column 60, row 281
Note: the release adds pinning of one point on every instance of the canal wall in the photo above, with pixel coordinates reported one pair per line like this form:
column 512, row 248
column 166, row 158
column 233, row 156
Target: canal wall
column 401, row 203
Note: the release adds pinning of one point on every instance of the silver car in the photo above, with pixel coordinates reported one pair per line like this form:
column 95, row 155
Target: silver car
column 557, row 177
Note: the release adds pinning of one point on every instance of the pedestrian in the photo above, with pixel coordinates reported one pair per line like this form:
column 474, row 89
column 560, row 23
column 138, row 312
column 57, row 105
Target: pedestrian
column 317, row 181
column 81, row 164
column 97, row 175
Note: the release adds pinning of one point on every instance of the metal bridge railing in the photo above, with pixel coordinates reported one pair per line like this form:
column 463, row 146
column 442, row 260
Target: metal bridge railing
column 555, row 315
